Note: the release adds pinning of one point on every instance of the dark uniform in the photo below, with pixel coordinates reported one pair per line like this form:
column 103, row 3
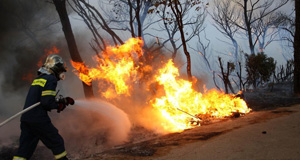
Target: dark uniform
column 36, row 124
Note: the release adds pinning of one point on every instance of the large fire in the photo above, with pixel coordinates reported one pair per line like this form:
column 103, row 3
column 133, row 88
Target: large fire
column 120, row 68
column 180, row 98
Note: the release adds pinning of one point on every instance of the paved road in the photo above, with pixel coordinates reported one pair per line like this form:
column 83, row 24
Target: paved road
column 275, row 139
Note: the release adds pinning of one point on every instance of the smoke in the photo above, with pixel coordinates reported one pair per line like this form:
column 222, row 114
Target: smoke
column 27, row 28
column 22, row 39
column 91, row 126
column 139, row 110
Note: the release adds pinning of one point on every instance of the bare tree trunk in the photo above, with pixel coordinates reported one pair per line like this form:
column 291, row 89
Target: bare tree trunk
column 138, row 7
column 66, row 26
column 256, row 12
column 188, row 58
column 248, row 26
column 179, row 20
column 225, row 76
column 297, row 50
column 131, row 19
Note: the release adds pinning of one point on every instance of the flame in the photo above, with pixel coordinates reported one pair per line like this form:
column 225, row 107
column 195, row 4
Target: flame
column 29, row 76
column 47, row 52
column 180, row 97
column 118, row 67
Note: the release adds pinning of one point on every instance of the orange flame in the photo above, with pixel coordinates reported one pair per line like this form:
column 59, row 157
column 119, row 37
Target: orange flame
column 179, row 96
column 53, row 50
column 29, row 77
column 118, row 67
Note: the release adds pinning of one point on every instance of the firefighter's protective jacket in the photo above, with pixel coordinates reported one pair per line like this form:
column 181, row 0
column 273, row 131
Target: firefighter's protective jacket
column 42, row 90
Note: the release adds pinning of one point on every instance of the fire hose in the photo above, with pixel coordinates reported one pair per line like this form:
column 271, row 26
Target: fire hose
column 61, row 99
column 19, row 113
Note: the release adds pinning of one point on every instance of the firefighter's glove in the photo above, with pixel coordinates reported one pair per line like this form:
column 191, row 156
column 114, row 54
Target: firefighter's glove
column 61, row 107
column 62, row 103
column 69, row 100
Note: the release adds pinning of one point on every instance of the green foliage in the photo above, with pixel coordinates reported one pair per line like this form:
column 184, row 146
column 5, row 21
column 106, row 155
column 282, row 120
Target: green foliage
column 231, row 67
column 259, row 68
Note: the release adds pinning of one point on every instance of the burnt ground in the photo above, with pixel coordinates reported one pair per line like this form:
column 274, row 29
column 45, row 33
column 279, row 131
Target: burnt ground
column 279, row 95
column 158, row 146
column 266, row 103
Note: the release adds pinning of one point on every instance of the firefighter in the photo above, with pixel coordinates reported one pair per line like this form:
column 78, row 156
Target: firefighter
column 36, row 124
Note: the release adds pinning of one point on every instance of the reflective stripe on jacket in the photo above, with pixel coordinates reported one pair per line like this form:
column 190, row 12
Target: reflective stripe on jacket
column 42, row 90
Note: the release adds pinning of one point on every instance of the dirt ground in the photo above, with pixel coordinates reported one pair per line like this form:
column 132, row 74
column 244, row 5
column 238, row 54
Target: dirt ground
column 269, row 134
column 271, row 139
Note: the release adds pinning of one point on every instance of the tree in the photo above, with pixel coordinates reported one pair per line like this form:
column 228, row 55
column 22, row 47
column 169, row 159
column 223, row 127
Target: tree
column 126, row 15
column 129, row 15
column 266, row 30
column 95, row 19
column 115, row 17
column 202, row 48
column 176, row 8
column 297, row 50
column 22, row 17
column 259, row 68
column 254, row 11
column 225, row 75
column 66, row 27
column 284, row 73
column 179, row 10
column 193, row 24
column 224, row 14
column 286, row 32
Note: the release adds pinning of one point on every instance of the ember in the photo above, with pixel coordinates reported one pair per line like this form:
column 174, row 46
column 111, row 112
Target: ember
column 180, row 106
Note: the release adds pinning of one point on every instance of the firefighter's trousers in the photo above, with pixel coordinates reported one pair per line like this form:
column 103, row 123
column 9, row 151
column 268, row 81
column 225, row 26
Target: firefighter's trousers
column 31, row 133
